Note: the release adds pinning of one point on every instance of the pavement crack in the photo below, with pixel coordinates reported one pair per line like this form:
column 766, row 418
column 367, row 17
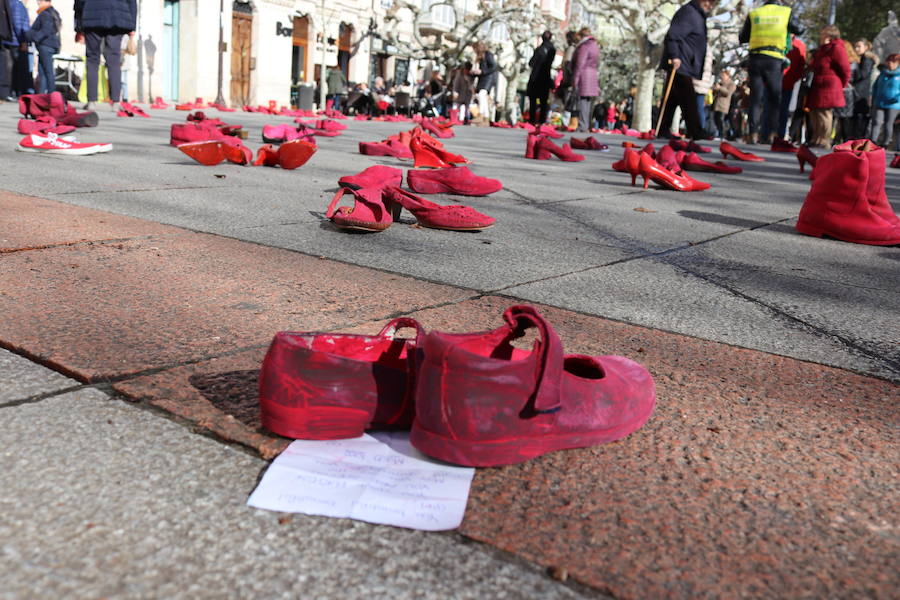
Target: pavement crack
column 132, row 190
column 45, row 395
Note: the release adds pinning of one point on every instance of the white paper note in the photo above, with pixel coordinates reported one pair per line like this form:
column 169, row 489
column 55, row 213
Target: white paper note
column 382, row 480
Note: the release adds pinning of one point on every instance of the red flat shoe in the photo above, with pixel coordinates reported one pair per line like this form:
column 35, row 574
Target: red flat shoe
column 455, row 180
column 692, row 162
column 782, row 145
column 368, row 212
column 588, row 143
column 428, row 214
column 389, row 148
column 209, row 152
column 728, row 150
column 544, row 148
column 482, row 402
column 805, row 155
column 649, row 169
column 377, row 176
column 295, row 153
column 325, row 386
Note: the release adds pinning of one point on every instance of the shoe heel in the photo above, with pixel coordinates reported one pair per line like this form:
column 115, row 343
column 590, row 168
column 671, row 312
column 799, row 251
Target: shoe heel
column 395, row 209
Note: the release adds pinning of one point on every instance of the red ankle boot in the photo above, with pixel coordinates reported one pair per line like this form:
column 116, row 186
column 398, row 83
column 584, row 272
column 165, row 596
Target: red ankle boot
column 838, row 204
column 875, row 192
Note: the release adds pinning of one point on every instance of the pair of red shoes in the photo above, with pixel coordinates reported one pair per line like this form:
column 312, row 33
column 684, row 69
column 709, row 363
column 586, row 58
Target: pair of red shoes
column 643, row 164
column 289, row 155
column 126, row 109
column 848, row 200
column 471, row 399
column 378, row 201
column 540, row 147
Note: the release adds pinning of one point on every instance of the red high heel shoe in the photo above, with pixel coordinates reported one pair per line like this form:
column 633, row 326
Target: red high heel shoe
column 544, row 148
column 692, row 162
column 650, row 169
column 435, row 216
column 429, row 155
column 667, row 157
column 805, row 155
column 728, row 150
column 631, row 164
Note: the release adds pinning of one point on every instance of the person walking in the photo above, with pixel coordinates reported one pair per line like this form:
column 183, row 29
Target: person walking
column 539, row 82
column 766, row 29
column 790, row 79
column 336, row 85
column 722, row 92
column 486, row 71
column 886, row 100
column 861, row 81
column 584, row 75
column 684, row 54
column 101, row 24
column 44, row 34
column 463, row 90
column 831, row 74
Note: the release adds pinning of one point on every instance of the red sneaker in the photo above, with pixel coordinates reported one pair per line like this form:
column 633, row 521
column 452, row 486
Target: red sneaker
column 481, row 402
column 53, row 144
column 324, row 386
column 453, row 180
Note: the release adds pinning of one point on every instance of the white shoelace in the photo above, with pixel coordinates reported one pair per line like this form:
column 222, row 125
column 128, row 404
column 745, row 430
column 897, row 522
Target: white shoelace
column 53, row 140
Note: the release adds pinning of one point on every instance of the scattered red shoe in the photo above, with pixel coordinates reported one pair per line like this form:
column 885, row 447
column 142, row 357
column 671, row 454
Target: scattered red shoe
column 588, row 143
column 482, row 402
column 453, row 180
column 436, row 216
column 368, row 212
column 782, row 145
column 692, row 162
column 729, row 150
column 377, row 176
column 53, row 144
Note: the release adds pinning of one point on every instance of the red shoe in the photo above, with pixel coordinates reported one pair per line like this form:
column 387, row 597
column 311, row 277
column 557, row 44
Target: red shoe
column 680, row 182
column 236, row 152
column 389, row 148
column 185, row 133
column 550, row 131
column 646, row 135
column 844, row 200
column 186, row 106
column 325, row 386
column 649, row 149
column 43, row 126
column 132, row 110
column 805, row 155
column 368, row 212
column 295, row 153
column 208, row 152
column 428, row 155
column 377, row 176
column 728, row 150
column 531, row 144
column 441, row 132
column 629, row 145
column 53, row 144
column 544, row 148
column 482, row 402
column 692, row 162
column 668, row 158
column 455, row 180
column 266, row 155
column 875, row 189
column 631, row 164
column 435, row 216
column 895, row 163
column 588, row 143
column 782, row 145
column 159, row 103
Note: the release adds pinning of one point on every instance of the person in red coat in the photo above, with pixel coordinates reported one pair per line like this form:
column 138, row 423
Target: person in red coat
column 831, row 74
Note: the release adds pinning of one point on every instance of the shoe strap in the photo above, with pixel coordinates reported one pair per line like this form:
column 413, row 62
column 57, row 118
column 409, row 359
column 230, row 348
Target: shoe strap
column 547, row 393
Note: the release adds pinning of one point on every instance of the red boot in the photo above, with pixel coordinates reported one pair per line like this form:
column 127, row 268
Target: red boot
column 875, row 192
column 838, row 203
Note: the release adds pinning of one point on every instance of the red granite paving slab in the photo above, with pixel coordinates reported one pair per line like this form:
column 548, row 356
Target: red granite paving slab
column 102, row 310
column 28, row 222
column 758, row 476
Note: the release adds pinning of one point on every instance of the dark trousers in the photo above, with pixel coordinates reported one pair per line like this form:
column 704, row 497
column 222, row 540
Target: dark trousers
column 15, row 76
column 111, row 45
column 45, row 69
column 765, row 87
column 683, row 96
column 719, row 118
column 538, row 116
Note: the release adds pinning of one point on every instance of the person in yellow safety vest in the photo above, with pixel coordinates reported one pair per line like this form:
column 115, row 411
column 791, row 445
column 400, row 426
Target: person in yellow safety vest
column 767, row 30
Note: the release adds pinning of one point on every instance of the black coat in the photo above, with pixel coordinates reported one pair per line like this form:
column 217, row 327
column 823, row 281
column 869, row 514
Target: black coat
column 45, row 29
column 487, row 80
column 5, row 22
column 541, row 62
column 686, row 40
column 106, row 16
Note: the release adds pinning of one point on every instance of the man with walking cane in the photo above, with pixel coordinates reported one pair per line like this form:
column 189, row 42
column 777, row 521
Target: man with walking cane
column 684, row 52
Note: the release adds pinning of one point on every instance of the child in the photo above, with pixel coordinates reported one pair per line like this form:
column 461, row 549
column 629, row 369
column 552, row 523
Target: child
column 611, row 116
column 886, row 99
column 44, row 33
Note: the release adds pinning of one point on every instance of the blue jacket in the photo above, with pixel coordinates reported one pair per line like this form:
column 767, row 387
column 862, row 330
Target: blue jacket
column 886, row 91
column 686, row 40
column 45, row 29
column 106, row 16
column 20, row 23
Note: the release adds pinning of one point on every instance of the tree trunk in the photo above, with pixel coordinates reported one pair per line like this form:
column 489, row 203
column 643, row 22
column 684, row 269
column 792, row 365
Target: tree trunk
column 512, row 85
column 646, row 81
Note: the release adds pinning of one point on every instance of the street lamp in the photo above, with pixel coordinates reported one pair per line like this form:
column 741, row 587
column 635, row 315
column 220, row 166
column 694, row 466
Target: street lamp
column 220, row 99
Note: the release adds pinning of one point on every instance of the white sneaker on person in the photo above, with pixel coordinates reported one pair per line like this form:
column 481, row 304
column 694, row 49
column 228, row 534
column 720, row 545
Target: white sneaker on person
column 53, row 144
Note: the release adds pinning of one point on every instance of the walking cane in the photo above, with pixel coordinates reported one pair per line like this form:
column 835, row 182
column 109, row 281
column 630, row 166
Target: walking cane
column 662, row 108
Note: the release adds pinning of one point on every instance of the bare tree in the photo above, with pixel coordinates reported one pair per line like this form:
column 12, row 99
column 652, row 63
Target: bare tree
column 644, row 23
